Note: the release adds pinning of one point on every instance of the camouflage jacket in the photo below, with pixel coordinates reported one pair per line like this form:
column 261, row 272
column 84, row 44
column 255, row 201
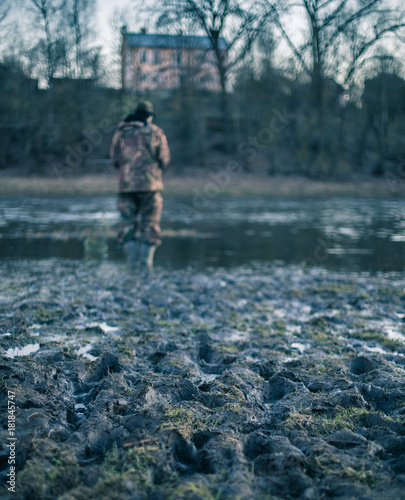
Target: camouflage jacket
column 140, row 152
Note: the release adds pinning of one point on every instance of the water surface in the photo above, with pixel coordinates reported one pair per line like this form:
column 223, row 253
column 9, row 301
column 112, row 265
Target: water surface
column 351, row 234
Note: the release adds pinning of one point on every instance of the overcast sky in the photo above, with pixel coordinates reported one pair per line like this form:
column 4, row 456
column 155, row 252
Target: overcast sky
column 105, row 9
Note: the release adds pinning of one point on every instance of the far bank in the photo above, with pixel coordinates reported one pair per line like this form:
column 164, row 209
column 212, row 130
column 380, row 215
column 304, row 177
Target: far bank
column 206, row 184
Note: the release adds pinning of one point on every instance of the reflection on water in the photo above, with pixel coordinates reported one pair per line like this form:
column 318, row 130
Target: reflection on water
column 339, row 233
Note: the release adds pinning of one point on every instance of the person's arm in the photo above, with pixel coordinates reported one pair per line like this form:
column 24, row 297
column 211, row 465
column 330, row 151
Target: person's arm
column 114, row 149
column 163, row 152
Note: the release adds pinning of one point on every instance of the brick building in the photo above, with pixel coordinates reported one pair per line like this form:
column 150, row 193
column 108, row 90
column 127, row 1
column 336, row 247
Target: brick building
column 166, row 62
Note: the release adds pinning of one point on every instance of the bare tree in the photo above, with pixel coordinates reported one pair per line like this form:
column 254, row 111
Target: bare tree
column 4, row 11
column 63, row 38
column 47, row 13
column 79, row 15
column 338, row 35
column 231, row 19
column 331, row 41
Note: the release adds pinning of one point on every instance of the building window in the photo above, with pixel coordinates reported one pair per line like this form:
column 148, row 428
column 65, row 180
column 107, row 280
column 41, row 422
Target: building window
column 200, row 56
column 156, row 56
column 143, row 79
column 143, row 56
column 177, row 57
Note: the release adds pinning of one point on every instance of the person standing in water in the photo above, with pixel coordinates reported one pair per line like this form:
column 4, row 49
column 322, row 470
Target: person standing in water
column 140, row 152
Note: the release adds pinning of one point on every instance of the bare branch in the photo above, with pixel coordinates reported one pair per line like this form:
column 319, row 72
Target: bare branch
column 378, row 36
column 295, row 50
column 334, row 15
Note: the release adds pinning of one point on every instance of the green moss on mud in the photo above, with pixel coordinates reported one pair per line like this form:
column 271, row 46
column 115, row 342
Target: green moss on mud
column 329, row 464
column 48, row 478
column 193, row 490
column 324, row 425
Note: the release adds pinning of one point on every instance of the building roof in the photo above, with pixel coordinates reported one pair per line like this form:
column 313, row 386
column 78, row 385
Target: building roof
column 172, row 41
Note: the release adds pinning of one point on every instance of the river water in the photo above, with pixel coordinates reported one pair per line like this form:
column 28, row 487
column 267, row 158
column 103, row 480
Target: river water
column 352, row 234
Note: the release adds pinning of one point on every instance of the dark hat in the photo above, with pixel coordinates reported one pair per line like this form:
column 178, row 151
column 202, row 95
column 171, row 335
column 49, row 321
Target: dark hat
column 145, row 107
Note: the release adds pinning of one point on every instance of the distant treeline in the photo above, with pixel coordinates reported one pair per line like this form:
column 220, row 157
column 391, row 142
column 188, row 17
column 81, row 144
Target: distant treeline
column 280, row 109
column 334, row 134
column 275, row 125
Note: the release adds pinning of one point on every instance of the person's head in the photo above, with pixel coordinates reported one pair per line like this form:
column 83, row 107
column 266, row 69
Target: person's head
column 145, row 110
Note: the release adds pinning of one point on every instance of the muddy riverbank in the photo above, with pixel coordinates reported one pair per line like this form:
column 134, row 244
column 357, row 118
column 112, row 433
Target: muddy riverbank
column 268, row 382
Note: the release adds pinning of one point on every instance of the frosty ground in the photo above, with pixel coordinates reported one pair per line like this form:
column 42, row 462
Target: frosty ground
column 267, row 382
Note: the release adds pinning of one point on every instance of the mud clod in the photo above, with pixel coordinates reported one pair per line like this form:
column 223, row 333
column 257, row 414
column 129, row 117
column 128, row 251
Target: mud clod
column 108, row 363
